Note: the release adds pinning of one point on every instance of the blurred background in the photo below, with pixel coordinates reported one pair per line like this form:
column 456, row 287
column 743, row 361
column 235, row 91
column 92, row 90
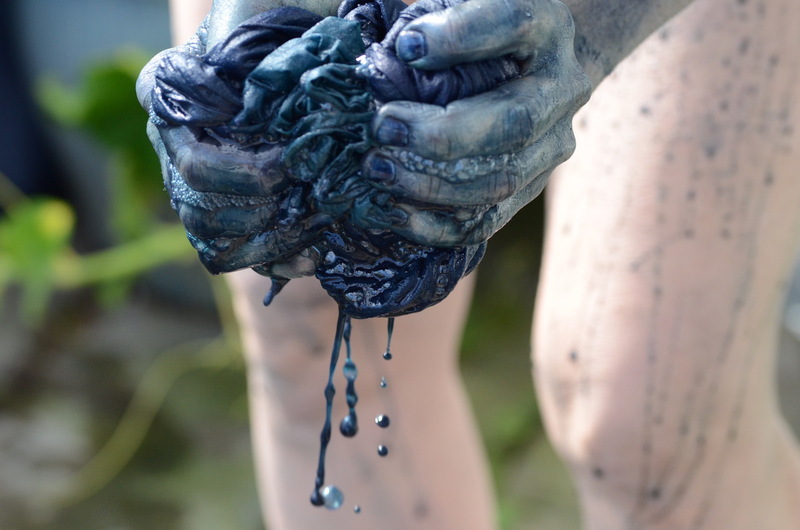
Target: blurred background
column 122, row 390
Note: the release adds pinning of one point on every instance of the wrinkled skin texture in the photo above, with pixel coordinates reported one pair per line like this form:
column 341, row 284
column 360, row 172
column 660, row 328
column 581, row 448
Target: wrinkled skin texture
column 507, row 140
column 229, row 176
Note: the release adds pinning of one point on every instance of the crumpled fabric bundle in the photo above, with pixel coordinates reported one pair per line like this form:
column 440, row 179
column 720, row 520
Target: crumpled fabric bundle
column 291, row 79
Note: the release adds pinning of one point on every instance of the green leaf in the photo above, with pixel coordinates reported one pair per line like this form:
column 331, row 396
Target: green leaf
column 106, row 107
column 34, row 236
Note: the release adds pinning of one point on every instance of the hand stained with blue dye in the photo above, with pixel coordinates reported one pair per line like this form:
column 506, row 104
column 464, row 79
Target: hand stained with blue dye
column 269, row 128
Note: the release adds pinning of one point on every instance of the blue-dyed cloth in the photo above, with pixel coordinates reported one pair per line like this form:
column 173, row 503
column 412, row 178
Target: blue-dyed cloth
column 312, row 85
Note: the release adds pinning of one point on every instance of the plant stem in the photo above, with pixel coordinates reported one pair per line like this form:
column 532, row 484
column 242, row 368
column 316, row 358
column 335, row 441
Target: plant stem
column 164, row 245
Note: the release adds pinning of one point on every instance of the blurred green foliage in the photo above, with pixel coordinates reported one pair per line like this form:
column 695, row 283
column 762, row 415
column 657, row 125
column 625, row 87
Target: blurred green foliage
column 34, row 238
column 134, row 449
column 36, row 250
column 106, row 107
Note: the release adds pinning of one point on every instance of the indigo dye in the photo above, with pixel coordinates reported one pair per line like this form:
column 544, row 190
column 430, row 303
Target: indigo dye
column 282, row 109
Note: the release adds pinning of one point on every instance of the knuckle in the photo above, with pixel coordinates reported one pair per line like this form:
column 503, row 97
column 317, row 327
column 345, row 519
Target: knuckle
column 566, row 140
column 560, row 16
column 439, row 142
column 583, row 86
column 185, row 165
column 519, row 123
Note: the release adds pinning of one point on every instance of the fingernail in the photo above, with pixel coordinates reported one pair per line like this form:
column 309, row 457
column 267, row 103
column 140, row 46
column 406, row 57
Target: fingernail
column 381, row 170
column 392, row 132
column 398, row 217
column 411, row 45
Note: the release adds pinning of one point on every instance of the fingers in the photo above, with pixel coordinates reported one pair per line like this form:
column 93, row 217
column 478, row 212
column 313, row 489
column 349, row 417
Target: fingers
column 506, row 119
column 280, row 245
column 146, row 81
column 467, row 181
column 225, row 167
column 482, row 29
column 231, row 221
column 493, row 201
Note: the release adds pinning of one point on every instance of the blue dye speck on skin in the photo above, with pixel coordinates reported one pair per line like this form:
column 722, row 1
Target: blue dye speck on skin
column 383, row 382
column 382, row 421
column 383, row 450
column 332, row 497
column 357, row 508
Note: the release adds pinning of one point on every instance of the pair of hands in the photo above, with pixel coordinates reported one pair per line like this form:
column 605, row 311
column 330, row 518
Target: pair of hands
column 454, row 175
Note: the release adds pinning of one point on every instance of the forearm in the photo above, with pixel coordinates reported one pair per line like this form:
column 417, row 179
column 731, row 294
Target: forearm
column 186, row 15
column 227, row 14
column 606, row 31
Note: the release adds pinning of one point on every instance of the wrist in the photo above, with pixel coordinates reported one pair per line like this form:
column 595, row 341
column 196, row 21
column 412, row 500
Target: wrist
column 228, row 14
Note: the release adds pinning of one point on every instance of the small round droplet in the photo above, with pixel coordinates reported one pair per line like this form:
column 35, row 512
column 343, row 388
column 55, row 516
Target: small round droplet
column 332, row 497
column 383, row 382
column 387, row 355
column 350, row 371
column 383, row 450
column 357, row 508
column 349, row 426
column 382, row 421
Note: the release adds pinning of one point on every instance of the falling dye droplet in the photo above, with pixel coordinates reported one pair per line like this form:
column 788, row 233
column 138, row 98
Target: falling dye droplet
column 383, row 450
column 382, row 421
column 332, row 497
column 389, row 329
column 350, row 371
column 357, row 508
column 383, row 382
column 317, row 497
column 349, row 426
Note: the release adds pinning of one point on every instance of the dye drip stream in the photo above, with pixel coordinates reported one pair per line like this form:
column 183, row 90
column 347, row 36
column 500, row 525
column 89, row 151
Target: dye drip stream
column 329, row 495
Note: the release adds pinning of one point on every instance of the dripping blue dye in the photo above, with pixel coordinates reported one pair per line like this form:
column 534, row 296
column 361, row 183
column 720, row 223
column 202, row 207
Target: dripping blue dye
column 383, row 382
column 389, row 329
column 383, row 450
column 382, row 421
column 349, row 425
column 332, row 497
column 317, row 496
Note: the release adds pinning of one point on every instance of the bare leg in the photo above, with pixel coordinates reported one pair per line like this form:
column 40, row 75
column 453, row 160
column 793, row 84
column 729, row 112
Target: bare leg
column 670, row 240
column 435, row 475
